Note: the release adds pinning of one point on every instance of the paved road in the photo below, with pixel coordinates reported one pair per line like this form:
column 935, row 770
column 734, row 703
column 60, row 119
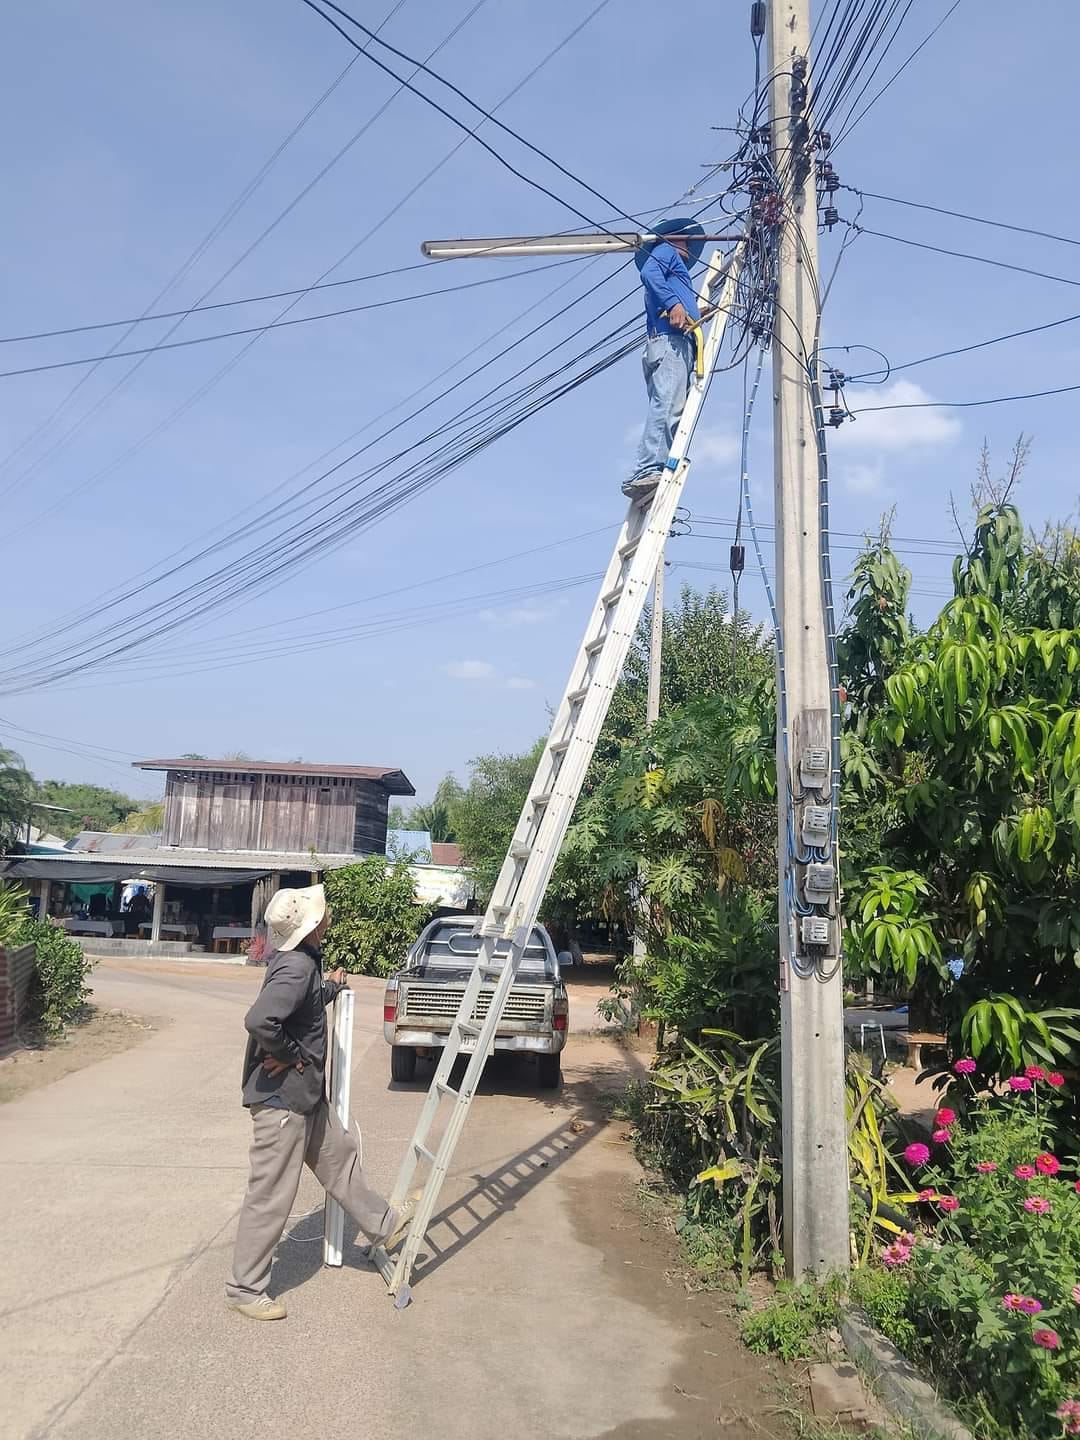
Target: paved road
column 119, row 1190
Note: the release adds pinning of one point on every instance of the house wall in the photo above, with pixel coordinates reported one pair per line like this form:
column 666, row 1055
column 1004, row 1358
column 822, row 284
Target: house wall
column 282, row 813
column 16, row 975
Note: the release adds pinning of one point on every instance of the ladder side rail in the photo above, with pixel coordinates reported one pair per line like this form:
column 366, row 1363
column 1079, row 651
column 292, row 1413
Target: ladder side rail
column 459, row 1114
column 552, row 829
column 604, row 620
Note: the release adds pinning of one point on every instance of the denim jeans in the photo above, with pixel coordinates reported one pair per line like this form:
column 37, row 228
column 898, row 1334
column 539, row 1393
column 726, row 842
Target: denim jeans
column 666, row 362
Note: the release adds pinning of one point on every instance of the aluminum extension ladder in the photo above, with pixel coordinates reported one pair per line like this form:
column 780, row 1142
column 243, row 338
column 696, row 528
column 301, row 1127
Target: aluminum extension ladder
column 519, row 890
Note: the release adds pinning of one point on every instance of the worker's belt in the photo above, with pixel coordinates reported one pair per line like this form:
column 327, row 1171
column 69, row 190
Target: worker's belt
column 699, row 343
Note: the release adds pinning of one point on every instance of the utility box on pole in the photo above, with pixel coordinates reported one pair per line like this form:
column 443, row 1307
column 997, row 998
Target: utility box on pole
column 816, row 1224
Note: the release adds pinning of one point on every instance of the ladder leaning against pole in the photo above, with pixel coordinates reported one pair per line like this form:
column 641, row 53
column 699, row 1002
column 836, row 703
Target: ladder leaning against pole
column 556, row 785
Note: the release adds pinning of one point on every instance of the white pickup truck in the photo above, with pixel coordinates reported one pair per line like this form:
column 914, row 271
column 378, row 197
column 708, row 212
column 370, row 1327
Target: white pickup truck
column 422, row 999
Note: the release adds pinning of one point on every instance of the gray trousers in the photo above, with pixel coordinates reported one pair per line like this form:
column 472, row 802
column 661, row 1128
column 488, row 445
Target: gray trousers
column 283, row 1143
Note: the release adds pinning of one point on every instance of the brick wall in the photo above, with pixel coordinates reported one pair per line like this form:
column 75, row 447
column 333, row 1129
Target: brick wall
column 16, row 973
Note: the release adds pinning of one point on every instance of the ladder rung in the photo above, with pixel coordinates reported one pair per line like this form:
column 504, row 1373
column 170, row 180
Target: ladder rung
column 445, row 1089
column 467, row 1028
column 575, row 697
column 520, row 850
column 612, row 597
column 500, row 912
column 593, row 647
column 424, row 1151
column 539, row 801
column 560, row 747
column 625, row 551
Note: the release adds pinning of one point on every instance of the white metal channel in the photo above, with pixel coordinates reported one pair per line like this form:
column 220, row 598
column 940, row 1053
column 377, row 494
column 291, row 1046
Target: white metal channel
column 556, row 785
column 340, row 1049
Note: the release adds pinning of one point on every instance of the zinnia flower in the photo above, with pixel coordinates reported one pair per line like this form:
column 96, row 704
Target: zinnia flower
column 948, row 1203
column 986, row 1167
column 917, row 1154
column 946, row 1117
column 1011, row 1300
column 1019, row 1082
column 1025, row 1172
column 894, row 1255
column 1056, row 1079
column 965, row 1067
column 1047, row 1164
column 1076, row 1187
column 1037, row 1205
column 932, row 1194
column 1076, row 1293
column 1030, row 1306
column 1048, row 1339
column 1035, row 1072
column 941, row 1137
column 1069, row 1414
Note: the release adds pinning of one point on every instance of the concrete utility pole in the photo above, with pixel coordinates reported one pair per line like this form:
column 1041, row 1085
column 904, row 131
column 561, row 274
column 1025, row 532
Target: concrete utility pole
column 816, row 1225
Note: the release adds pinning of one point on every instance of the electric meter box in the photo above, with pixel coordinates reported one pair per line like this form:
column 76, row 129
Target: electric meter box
column 815, row 931
column 815, row 825
column 814, row 767
column 819, row 883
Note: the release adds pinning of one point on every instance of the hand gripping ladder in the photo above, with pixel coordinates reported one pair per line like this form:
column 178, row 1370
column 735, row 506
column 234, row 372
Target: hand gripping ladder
column 535, row 846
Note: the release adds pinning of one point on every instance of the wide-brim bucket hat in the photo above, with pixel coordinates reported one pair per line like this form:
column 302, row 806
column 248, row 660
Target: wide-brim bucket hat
column 291, row 915
column 690, row 231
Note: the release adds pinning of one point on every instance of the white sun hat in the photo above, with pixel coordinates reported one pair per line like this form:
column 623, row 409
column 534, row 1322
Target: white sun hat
column 292, row 915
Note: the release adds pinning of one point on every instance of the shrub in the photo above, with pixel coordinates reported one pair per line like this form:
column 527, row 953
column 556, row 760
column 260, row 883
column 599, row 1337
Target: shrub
column 987, row 1296
column 792, row 1322
column 13, row 911
column 375, row 917
column 62, row 971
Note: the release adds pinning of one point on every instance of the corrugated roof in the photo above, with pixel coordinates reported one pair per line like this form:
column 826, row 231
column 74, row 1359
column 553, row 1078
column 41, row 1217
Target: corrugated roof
column 403, row 843
column 99, row 842
column 444, row 852
column 394, row 781
column 262, row 860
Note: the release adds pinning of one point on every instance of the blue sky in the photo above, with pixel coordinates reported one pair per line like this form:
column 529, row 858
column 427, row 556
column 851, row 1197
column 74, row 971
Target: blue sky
column 132, row 127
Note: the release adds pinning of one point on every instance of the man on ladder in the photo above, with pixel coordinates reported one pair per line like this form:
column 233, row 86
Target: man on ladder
column 671, row 313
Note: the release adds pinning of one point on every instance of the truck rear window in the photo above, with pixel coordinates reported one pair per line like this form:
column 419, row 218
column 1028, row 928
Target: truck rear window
column 455, row 945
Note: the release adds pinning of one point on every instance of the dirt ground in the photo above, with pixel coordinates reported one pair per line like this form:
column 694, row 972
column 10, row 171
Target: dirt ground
column 42, row 1060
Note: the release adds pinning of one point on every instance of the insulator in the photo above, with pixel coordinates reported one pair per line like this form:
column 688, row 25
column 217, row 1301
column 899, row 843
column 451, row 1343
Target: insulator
column 837, row 416
column 830, row 216
column 757, row 19
column 824, row 140
column 738, row 559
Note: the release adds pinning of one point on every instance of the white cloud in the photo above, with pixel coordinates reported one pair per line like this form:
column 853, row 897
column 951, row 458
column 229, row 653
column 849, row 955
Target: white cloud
column 519, row 682
column 469, row 670
column 863, row 479
column 715, row 447
column 896, row 429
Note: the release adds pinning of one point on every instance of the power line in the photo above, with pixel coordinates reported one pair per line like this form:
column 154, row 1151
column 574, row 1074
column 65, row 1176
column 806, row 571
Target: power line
column 961, row 215
column 968, row 404
column 281, row 324
column 866, row 376
column 962, row 254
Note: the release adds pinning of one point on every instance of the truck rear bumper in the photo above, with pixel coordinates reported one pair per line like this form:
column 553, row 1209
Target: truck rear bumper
column 549, row 1044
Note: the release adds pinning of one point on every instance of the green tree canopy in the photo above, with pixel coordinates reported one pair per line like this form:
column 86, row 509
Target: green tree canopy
column 16, row 792
column 93, row 807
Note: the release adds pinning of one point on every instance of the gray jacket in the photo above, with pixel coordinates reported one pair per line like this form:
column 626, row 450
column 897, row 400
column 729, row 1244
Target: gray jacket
column 288, row 1022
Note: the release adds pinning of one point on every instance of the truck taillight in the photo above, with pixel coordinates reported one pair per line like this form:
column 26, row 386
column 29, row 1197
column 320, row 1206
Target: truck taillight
column 389, row 1009
column 560, row 1014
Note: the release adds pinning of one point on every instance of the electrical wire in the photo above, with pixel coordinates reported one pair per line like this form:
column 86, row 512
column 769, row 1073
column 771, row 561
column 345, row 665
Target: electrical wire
column 965, row 255
column 962, row 215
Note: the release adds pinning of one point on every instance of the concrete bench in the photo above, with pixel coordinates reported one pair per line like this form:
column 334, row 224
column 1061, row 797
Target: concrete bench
column 915, row 1040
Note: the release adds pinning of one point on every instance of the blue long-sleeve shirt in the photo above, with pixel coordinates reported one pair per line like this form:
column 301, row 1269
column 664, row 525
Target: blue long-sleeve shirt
column 667, row 282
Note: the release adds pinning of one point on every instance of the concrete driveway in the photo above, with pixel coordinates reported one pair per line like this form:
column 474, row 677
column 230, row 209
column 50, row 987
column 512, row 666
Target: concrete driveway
column 119, row 1190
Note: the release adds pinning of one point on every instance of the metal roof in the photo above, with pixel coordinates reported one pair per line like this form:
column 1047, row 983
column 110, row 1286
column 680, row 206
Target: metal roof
column 105, row 842
column 181, row 867
column 394, row 781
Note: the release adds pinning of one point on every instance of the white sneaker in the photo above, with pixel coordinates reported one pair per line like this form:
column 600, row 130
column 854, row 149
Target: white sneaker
column 261, row 1308
column 642, row 487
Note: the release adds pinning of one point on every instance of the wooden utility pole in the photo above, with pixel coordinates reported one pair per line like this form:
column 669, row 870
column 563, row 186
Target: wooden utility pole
column 816, row 1222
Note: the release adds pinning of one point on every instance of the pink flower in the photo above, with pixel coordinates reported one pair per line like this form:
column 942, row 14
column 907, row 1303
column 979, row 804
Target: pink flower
column 1035, row 1072
column 932, row 1194
column 1076, row 1293
column 965, row 1067
column 894, row 1255
column 949, row 1203
column 1048, row 1339
column 946, row 1117
column 1019, row 1082
column 986, row 1167
column 941, row 1137
column 1025, row 1172
column 1011, row 1300
column 1030, row 1306
column 1069, row 1414
column 1047, row 1164
column 1076, row 1187
column 1056, row 1079
column 1037, row 1205
column 906, row 1240
column 917, row 1154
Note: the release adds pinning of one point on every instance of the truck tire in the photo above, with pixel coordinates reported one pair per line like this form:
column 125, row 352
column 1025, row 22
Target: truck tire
column 402, row 1062
column 548, row 1071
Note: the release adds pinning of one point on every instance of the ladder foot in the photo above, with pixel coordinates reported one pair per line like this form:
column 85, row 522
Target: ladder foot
column 403, row 1297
